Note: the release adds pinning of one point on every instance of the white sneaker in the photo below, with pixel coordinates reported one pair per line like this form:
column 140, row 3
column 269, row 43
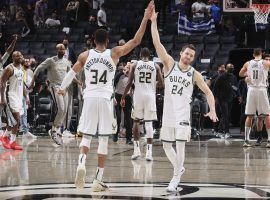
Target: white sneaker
column 68, row 134
column 148, row 156
column 99, row 186
column 28, row 134
column 136, row 155
column 80, row 176
column 172, row 187
column 227, row 135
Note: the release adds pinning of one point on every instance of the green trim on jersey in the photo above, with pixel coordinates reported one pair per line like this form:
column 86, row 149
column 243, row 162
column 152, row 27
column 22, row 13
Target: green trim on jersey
column 165, row 76
column 190, row 67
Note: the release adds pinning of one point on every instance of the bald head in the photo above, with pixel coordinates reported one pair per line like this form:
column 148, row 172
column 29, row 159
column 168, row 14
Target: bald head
column 60, row 50
column 17, row 57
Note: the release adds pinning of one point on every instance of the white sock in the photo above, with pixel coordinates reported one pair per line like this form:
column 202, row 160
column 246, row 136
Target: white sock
column 53, row 128
column 82, row 158
column 170, row 153
column 99, row 173
column 247, row 133
column 12, row 138
column 180, row 156
column 149, row 148
column 268, row 133
column 6, row 133
column 2, row 133
column 136, row 146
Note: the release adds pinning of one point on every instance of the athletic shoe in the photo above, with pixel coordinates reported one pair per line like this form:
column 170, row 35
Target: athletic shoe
column 80, row 176
column 68, row 134
column 99, row 186
column 247, row 144
column 6, row 142
column 259, row 141
column 172, row 187
column 55, row 137
column 268, row 144
column 28, row 134
column 148, row 156
column 219, row 135
column 227, row 135
column 136, row 155
column 15, row 146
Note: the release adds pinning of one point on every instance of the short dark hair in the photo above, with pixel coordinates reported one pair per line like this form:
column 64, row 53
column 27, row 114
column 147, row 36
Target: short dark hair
column 188, row 46
column 101, row 36
column 257, row 52
column 266, row 55
column 145, row 53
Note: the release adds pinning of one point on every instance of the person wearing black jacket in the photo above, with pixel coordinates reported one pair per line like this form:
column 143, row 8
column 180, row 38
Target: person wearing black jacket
column 120, row 83
column 224, row 94
column 242, row 86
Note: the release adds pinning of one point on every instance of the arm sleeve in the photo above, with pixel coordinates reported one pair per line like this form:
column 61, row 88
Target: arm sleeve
column 4, row 58
column 42, row 66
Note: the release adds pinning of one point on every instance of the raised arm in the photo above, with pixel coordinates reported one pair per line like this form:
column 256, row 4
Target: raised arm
column 198, row 80
column 120, row 51
column 243, row 71
column 160, row 49
column 9, row 50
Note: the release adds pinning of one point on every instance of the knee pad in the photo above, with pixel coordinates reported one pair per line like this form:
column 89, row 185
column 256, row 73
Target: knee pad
column 86, row 141
column 103, row 145
column 149, row 130
column 167, row 145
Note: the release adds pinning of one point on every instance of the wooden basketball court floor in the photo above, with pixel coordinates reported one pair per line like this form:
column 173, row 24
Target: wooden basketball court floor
column 215, row 169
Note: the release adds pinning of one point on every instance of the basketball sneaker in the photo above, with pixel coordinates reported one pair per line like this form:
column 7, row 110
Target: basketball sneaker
column 55, row 137
column 247, row 144
column 99, row 186
column 80, row 176
column 68, row 134
column 6, row 142
column 148, row 156
column 227, row 135
column 136, row 155
column 172, row 187
column 259, row 141
column 30, row 135
column 15, row 146
column 268, row 144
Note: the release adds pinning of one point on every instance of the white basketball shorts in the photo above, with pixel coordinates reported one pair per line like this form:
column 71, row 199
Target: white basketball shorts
column 172, row 134
column 144, row 108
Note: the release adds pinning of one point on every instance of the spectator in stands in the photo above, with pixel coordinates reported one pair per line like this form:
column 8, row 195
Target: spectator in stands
column 198, row 11
column 120, row 83
column 214, row 12
column 12, row 8
column 97, row 3
column 27, row 78
column 4, row 16
column 91, row 27
column 21, row 16
column 180, row 8
column 53, row 21
column 72, row 12
column 102, row 17
column 69, row 52
column 88, row 44
column 83, row 12
column 40, row 10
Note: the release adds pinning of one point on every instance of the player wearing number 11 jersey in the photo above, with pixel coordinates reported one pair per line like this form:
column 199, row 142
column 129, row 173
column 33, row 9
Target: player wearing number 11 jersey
column 256, row 71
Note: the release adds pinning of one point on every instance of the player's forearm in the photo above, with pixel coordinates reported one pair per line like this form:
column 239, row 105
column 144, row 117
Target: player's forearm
column 2, row 90
column 68, row 79
column 139, row 34
column 126, row 91
column 154, row 32
column 211, row 101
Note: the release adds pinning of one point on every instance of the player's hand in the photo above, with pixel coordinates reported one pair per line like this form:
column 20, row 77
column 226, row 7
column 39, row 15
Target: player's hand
column 80, row 83
column 61, row 92
column 154, row 16
column 123, row 102
column 212, row 115
column 114, row 102
column 248, row 80
column 149, row 10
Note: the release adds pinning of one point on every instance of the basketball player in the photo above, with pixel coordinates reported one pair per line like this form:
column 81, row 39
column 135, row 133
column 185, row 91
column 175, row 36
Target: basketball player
column 180, row 78
column 13, row 77
column 256, row 71
column 144, row 74
column 57, row 67
column 99, row 65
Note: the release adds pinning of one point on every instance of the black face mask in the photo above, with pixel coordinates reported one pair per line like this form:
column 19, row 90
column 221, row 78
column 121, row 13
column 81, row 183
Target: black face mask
column 230, row 70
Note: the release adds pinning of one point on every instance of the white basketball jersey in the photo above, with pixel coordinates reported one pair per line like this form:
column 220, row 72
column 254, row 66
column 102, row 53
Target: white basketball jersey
column 258, row 74
column 145, row 79
column 99, row 72
column 15, row 83
column 178, row 96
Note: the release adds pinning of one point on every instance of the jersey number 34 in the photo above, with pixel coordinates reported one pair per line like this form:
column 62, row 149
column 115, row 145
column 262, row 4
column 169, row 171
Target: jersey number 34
column 96, row 79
